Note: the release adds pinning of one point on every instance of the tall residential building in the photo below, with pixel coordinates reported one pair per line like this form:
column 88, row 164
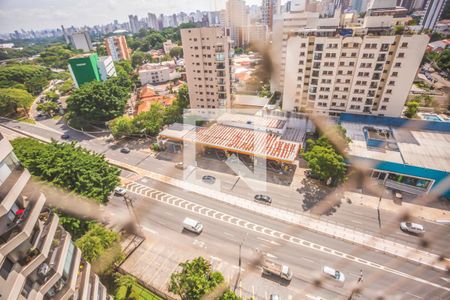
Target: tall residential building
column 117, row 48
column 433, row 11
column 207, row 57
column 268, row 9
column 89, row 67
column 66, row 36
column 152, row 21
column 366, row 70
column 236, row 20
column 37, row 256
column 134, row 23
column 81, row 41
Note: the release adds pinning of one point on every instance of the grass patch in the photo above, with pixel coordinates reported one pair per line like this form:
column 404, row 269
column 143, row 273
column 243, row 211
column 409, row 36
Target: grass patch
column 138, row 292
column 57, row 117
column 26, row 120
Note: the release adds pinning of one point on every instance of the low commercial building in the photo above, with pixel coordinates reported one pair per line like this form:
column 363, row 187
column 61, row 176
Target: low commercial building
column 89, row 67
column 148, row 97
column 406, row 155
column 38, row 258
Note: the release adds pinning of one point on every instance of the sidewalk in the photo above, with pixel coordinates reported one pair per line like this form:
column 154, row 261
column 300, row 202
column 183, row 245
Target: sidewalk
column 418, row 211
column 323, row 227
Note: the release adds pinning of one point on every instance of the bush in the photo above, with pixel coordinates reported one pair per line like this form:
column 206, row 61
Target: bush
column 11, row 99
column 94, row 243
column 68, row 166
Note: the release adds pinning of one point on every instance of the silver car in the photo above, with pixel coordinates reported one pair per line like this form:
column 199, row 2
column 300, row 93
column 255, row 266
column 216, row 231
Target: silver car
column 335, row 274
column 412, row 227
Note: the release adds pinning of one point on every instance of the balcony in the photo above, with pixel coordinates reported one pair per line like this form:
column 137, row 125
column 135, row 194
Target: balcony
column 369, row 102
column 220, row 57
column 12, row 187
column 381, row 57
column 220, row 81
column 220, row 66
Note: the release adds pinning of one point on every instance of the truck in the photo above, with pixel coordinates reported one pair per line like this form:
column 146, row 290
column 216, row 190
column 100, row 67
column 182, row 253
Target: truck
column 273, row 268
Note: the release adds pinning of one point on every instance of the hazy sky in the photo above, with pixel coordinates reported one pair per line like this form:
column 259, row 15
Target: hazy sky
column 41, row 14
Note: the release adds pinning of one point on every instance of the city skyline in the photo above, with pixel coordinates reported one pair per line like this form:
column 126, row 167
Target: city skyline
column 49, row 14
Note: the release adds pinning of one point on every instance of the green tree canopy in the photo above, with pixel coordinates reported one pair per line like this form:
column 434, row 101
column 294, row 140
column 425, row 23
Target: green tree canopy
column 49, row 107
column 137, row 58
column 98, row 101
column 230, row 295
column 325, row 163
column 75, row 226
column 195, row 280
column 11, row 99
column 176, row 52
column 333, row 137
column 411, row 109
column 33, row 77
column 69, row 166
column 96, row 241
column 55, row 56
column 122, row 127
column 126, row 281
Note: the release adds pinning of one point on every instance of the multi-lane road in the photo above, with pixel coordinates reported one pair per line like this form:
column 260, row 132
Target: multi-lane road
column 161, row 208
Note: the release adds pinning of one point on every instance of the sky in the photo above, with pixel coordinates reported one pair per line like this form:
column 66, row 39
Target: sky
column 42, row 14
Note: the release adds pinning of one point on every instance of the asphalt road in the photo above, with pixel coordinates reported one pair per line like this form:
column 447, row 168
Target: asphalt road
column 382, row 275
column 358, row 218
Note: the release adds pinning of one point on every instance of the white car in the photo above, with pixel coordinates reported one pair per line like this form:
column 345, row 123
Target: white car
column 120, row 191
column 335, row 274
column 412, row 227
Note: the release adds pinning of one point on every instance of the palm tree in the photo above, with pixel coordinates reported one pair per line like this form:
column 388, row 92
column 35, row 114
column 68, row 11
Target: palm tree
column 127, row 281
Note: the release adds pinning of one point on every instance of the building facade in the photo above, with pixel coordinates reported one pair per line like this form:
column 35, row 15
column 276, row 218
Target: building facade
column 357, row 74
column 167, row 46
column 89, row 67
column 117, row 48
column 268, row 9
column 38, row 258
column 154, row 73
column 106, row 67
column 207, row 57
column 236, row 20
column 81, row 41
column 433, row 11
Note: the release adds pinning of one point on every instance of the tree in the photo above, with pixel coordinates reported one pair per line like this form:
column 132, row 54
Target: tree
column 176, row 52
column 11, row 99
column 69, row 166
column 121, row 127
column 55, row 56
column 325, row 163
column 126, row 281
column 334, row 137
column 183, row 96
column 98, row 101
column 150, row 122
column 75, row 226
column 195, row 280
column 96, row 241
column 66, row 87
column 238, row 50
column 137, row 58
column 399, row 29
column 411, row 109
column 49, row 107
column 33, row 77
column 426, row 99
column 230, row 295
column 51, row 95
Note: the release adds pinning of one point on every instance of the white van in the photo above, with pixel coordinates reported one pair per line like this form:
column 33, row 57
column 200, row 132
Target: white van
column 192, row 225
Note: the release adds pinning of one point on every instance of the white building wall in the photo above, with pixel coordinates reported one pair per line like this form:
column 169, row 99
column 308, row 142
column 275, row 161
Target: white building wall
column 152, row 76
column 106, row 67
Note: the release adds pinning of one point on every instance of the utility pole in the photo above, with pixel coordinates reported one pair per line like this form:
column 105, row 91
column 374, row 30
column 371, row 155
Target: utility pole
column 133, row 215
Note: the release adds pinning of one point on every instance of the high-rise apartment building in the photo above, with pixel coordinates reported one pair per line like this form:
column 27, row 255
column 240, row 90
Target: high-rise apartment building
column 366, row 69
column 117, row 48
column 152, row 21
column 236, row 20
column 433, row 11
column 207, row 56
column 268, row 9
column 37, row 256
column 134, row 23
column 81, row 41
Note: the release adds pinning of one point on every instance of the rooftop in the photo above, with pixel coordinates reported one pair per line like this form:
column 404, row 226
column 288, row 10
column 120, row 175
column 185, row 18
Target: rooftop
column 256, row 121
column 240, row 140
column 415, row 147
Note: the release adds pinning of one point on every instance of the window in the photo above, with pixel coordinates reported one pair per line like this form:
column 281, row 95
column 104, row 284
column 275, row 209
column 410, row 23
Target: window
column 388, row 91
column 391, row 82
column 404, row 45
column 401, row 55
column 383, row 107
column 385, row 99
column 6, row 268
column 394, row 74
column 398, row 65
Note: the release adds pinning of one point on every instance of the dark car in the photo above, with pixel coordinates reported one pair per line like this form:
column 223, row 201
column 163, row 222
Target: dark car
column 125, row 150
column 263, row 198
column 65, row 136
column 209, row 179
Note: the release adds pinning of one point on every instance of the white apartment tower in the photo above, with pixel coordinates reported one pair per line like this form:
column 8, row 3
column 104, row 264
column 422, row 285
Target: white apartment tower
column 433, row 11
column 358, row 74
column 207, row 55
column 81, row 41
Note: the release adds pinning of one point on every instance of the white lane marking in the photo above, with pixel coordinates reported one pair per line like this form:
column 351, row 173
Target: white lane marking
column 307, row 259
column 270, row 255
column 445, row 279
column 149, row 230
column 418, row 297
column 300, row 242
column 268, row 241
